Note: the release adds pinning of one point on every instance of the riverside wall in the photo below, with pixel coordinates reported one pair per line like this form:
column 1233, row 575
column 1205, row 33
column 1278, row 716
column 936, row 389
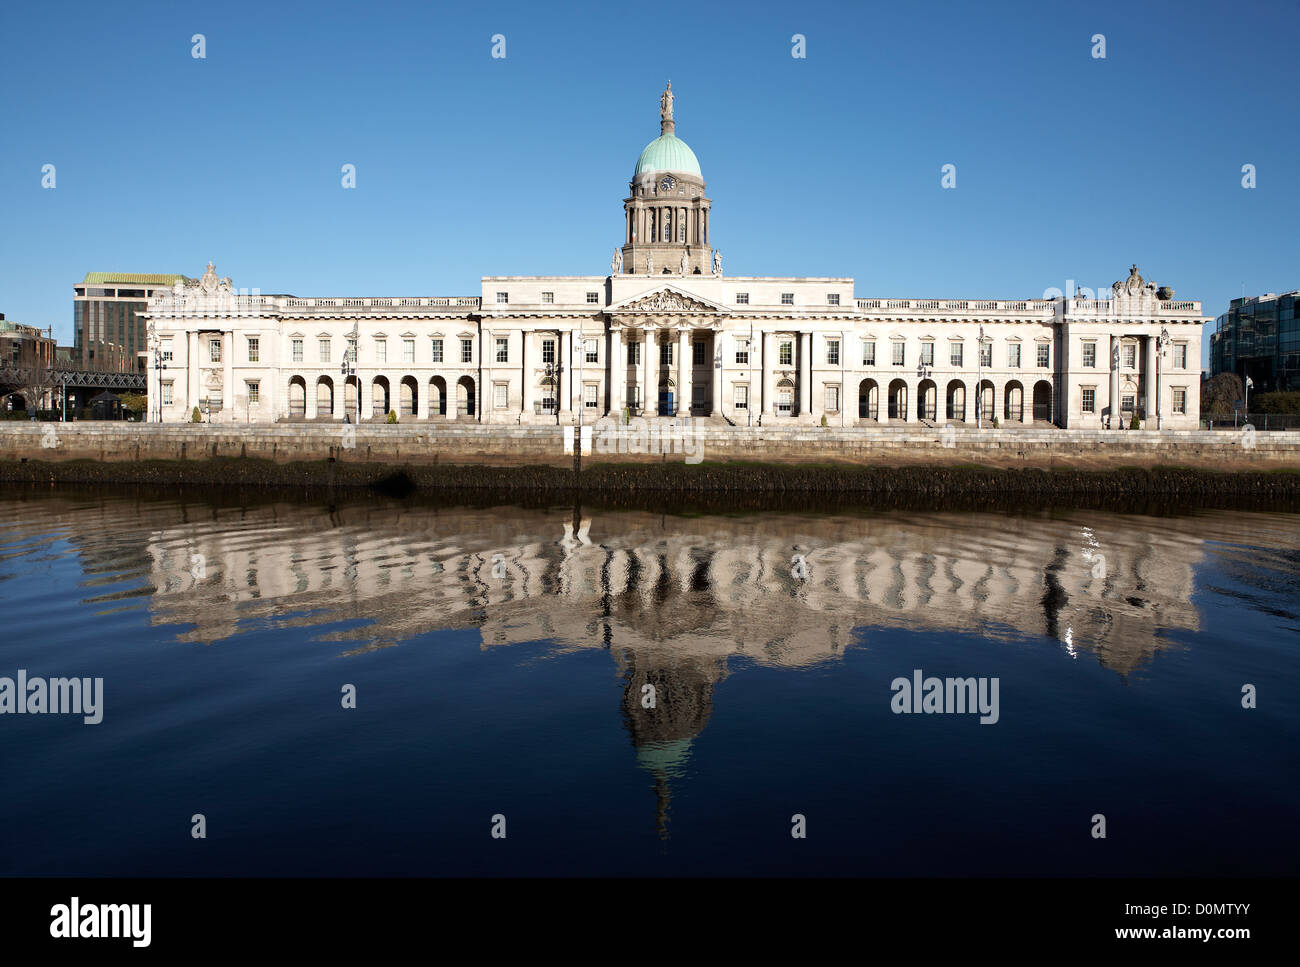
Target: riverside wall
column 451, row 443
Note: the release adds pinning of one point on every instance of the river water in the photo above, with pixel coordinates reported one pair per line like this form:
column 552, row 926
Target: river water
column 648, row 694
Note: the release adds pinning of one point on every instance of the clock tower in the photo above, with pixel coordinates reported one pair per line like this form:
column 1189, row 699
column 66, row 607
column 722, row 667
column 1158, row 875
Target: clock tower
column 667, row 230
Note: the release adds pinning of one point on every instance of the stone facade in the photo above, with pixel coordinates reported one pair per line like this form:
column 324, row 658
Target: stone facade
column 666, row 333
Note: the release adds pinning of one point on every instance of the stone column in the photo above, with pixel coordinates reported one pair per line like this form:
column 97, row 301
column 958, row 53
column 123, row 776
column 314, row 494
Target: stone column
column 618, row 371
column 685, row 372
column 1150, row 347
column 650, row 368
column 768, row 362
column 805, row 374
column 228, row 376
column 718, row 358
column 1112, row 419
column 191, row 374
column 526, row 391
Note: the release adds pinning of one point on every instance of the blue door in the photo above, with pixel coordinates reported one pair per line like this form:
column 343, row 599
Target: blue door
column 665, row 403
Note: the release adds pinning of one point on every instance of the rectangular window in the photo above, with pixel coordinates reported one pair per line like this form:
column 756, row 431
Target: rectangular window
column 787, row 298
column 323, row 346
column 832, row 399
column 1127, row 403
column 742, row 298
column 665, row 354
column 593, row 298
column 548, row 298
column 956, row 353
column 832, row 352
column 784, row 401
column 381, row 350
column 740, row 397
column 254, row 350
column 589, row 395
column 986, row 354
column 167, row 391
column 548, row 350
column 742, row 352
column 1130, row 356
column 215, row 401
column 785, row 354
column 254, row 392
column 869, row 353
column 351, row 351
column 1013, row 355
column 296, row 350
column 634, row 354
column 165, row 345
column 899, row 351
column 699, row 353
column 500, row 395
column 1180, row 356
column 591, row 350
column 437, row 350
column 214, row 350
column 1090, row 354
column 467, row 350
column 503, row 350
column 1180, row 400
column 1044, row 354
column 503, row 298
column 408, row 350
column 1089, row 400
column 927, row 354
column 832, row 298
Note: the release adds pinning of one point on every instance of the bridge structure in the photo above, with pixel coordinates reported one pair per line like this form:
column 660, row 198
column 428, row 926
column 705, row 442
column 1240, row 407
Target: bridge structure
column 66, row 383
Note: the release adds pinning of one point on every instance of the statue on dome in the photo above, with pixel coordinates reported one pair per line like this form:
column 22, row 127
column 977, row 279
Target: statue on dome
column 685, row 264
column 649, row 264
column 617, row 262
column 717, row 262
column 666, row 104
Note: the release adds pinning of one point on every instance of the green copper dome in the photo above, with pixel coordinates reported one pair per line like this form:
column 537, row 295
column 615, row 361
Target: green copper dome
column 668, row 153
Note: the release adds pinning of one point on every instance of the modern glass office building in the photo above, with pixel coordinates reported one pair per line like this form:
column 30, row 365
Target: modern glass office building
column 109, row 335
column 1259, row 337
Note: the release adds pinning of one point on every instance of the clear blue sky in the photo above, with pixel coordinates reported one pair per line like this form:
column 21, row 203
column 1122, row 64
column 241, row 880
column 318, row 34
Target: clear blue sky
column 1068, row 167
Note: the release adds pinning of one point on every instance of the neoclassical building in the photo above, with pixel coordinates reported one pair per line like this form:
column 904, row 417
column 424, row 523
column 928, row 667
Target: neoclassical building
column 666, row 333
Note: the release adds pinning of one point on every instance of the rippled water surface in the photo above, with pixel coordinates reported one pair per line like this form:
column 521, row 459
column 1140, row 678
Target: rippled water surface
column 645, row 693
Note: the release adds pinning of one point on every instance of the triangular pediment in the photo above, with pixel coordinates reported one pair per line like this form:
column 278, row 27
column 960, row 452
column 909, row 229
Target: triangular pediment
column 666, row 298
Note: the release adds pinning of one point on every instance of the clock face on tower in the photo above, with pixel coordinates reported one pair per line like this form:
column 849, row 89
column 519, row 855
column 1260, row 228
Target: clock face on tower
column 667, row 184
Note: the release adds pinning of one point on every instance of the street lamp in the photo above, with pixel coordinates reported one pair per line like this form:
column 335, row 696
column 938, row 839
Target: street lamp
column 159, row 366
column 923, row 373
column 1161, row 343
column 349, row 368
column 553, row 371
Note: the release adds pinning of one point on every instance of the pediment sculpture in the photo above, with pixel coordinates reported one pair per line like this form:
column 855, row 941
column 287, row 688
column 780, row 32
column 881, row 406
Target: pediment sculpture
column 666, row 300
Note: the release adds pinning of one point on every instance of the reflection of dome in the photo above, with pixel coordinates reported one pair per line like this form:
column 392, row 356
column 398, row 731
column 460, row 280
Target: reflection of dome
column 668, row 153
column 665, row 758
column 663, row 735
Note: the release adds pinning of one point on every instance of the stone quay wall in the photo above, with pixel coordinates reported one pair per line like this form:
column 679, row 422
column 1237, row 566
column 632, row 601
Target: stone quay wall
column 655, row 441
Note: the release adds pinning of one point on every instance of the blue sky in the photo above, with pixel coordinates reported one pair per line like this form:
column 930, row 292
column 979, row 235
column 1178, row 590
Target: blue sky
column 1068, row 167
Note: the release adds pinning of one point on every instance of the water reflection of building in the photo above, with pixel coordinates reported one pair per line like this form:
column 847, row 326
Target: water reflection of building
column 674, row 600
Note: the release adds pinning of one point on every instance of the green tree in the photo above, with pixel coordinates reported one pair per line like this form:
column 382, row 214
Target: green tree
column 1288, row 403
column 134, row 402
column 196, row 416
